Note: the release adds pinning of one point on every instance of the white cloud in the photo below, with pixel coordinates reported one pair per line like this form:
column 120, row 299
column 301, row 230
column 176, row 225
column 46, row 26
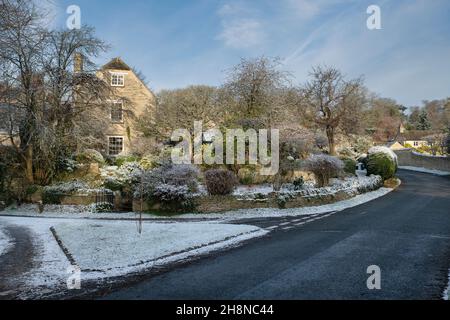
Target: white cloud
column 239, row 28
column 243, row 33
column 407, row 60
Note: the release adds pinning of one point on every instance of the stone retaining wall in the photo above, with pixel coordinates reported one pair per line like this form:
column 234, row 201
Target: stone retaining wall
column 212, row 204
column 408, row 158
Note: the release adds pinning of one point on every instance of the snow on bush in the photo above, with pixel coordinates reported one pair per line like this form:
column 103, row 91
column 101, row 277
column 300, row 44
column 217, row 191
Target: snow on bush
column 381, row 164
column 158, row 184
column 384, row 150
column 101, row 207
column 53, row 194
column 324, row 167
column 90, row 156
column 173, row 197
column 351, row 186
column 66, row 188
column 119, row 178
column 220, row 182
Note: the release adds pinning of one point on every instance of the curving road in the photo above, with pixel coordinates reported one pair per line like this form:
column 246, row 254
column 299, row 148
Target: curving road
column 406, row 234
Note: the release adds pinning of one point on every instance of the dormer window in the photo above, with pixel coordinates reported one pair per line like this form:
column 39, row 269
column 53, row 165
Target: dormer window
column 117, row 111
column 117, row 79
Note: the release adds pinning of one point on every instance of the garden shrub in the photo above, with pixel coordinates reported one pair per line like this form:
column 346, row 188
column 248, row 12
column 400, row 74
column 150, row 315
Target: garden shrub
column 220, row 182
column 90, row 156
column 170, row 185
column 386, row 151
column 149, row 162
column 349, row 165
column 102, row 207
column 298, row 183
column 324, row 168
column 381, row 164
column 123, row 178
column 121, row 160
column 247, row 176
column 173, row 197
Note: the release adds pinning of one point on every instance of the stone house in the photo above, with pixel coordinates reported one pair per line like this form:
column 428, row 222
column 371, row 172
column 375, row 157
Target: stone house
column 130, row 99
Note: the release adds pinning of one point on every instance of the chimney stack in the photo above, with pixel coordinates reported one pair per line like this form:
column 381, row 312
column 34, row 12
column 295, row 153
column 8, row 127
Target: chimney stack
column 78, row 63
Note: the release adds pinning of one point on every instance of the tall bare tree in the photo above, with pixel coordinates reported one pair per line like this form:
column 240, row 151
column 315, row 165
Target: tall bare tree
column 253, row 88
column 179, row 108
column 47, row 99
column 328, row 101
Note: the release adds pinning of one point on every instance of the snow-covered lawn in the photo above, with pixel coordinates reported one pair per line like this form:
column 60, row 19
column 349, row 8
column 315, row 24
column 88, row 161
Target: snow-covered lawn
column 117, row 244
column 425, row 170
column 115, row 248
column 5, row 242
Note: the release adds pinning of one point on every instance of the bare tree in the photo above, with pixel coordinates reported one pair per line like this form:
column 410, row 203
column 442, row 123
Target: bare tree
column 328, row 100
column 180, row 108
column 253, row 87
column 46, row 98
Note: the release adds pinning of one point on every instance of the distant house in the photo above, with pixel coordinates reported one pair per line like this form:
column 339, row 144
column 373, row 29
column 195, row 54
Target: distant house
column 395, row 145
column 409, row 139
column 131, row 99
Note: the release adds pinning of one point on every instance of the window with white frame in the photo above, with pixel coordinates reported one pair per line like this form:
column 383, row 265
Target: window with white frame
column 117, row 79
column 115, row 146
column 117, row 111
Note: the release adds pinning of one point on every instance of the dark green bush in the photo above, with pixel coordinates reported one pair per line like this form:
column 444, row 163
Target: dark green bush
column 220, row 182
column 121, row 160
column 381, row 164
column 349, row 165
column 103, row 207
column 173, row 198
column 51, row 197
column 298, row 183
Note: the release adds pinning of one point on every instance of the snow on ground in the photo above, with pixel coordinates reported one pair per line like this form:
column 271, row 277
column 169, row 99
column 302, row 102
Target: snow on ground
column 50, row 264
column 427, row 155
column 425, row 170
column 273, row 212
column 447, row 291
column 348, row 185
column 114, row 248
column 117, row 244
column 5, row 242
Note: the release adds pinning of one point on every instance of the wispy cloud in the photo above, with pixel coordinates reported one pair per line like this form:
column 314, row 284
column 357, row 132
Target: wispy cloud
column 244, row 33
column 239, row 29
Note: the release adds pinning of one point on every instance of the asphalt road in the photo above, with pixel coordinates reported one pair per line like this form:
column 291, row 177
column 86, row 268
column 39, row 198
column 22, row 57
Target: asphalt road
column 16, row 261
column 406, row 234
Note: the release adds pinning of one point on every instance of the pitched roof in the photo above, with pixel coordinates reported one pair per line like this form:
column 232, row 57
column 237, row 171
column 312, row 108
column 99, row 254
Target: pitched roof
column 116, row 64
column 415, row 135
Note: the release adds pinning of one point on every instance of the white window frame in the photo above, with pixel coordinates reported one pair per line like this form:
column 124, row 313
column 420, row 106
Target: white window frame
column 112, row 103
column 120, row 75
column 109, row 144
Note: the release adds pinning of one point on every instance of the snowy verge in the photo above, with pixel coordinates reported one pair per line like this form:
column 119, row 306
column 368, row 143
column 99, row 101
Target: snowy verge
column 113, row 245
column 5, row 242
column 274, row 213
column 112, row 249
column 425, row 170
column 447, row 291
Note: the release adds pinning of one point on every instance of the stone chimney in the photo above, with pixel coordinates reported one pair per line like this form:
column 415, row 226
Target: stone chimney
column 78, row 63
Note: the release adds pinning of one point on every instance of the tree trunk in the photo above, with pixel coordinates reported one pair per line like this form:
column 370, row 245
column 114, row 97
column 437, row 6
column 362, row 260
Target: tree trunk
column 331, row 143
column 29, row 164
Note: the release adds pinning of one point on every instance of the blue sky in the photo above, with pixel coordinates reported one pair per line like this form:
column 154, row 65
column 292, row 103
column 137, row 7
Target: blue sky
column 177, row 43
